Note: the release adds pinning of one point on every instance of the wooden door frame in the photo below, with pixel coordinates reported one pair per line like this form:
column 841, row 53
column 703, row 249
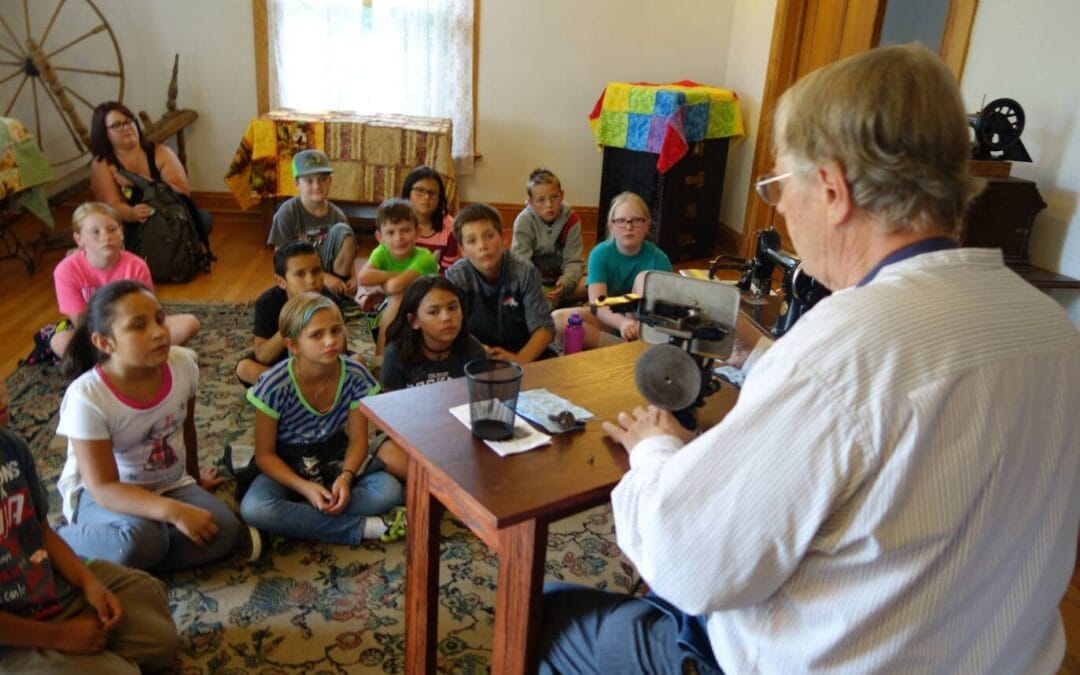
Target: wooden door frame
column 788, row 42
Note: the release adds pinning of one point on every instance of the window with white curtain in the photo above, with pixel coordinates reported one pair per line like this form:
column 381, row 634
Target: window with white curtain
column 411, row 57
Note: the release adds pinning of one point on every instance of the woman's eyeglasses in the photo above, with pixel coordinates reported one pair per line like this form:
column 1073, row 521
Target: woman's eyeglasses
column 117, row 126
column 769, row 187
column 424, row 192
column 629, row 223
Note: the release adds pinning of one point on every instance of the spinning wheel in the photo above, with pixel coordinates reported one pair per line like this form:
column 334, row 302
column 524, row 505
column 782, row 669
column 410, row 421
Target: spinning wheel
column 58, row 60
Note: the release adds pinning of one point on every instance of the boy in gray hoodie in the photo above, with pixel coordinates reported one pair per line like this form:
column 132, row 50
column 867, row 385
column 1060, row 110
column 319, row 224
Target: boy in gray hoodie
column 548, row 233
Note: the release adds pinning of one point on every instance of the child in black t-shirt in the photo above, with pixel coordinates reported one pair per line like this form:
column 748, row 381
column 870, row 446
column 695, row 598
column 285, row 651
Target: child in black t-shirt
column 297, row 270
column 426, row 342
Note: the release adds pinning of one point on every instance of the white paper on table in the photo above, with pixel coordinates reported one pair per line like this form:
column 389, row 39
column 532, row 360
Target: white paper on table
column 526, row 436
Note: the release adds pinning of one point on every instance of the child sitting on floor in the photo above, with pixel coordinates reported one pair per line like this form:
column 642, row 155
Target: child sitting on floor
column 616, row 267
column 58, row 614
column 131, row 488
column 318, row 479
column 548, row 233
column 505, row 306
column 426, row 343
column 426, row 193
column 99, row 259
column 297, row 270
column 397, row 261
column 312, row 217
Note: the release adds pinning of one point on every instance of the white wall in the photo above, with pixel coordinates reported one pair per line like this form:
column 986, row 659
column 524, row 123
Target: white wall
column 542, row 67
column 1024, row 51
column 540, row 72
column 748, row 59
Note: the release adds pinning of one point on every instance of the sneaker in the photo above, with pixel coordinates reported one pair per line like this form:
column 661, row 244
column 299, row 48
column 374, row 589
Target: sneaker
column 252, row 545
column 239, row 460
column 395, row 525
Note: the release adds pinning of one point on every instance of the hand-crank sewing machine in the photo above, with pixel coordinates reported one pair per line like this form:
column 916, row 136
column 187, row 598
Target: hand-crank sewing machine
column 691, row 322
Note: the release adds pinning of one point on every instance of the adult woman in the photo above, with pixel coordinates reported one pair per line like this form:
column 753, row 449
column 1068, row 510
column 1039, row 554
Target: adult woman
column 117, row 142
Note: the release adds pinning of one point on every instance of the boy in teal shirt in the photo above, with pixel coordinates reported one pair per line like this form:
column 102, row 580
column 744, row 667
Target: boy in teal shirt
column 397, row 260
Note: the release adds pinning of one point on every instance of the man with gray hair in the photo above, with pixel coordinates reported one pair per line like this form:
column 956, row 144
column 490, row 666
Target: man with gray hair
column 895, row 490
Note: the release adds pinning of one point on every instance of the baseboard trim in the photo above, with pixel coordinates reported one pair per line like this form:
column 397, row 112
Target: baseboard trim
column 223, row 205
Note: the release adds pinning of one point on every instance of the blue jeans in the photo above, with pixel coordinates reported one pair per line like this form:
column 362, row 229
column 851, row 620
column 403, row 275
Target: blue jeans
column 271, row 507
column 100, row 534
column 596, row 632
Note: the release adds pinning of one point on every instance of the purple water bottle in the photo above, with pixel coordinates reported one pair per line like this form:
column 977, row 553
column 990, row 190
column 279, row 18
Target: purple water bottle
column 574, row 335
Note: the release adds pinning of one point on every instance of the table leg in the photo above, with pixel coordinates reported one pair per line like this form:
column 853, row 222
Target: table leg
column 521, row 551
column 421, row 572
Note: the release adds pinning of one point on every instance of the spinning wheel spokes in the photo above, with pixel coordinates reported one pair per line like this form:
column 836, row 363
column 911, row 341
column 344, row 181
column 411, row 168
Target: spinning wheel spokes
column 77, row 59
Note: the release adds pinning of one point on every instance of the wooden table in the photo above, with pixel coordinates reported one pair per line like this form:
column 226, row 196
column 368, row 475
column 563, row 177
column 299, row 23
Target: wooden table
column 507, row 502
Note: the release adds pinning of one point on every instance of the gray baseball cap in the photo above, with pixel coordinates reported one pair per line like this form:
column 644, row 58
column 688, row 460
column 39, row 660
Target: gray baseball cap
column 310, row 161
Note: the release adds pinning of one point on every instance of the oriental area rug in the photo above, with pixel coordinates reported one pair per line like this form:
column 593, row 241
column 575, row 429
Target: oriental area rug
column 308, row 607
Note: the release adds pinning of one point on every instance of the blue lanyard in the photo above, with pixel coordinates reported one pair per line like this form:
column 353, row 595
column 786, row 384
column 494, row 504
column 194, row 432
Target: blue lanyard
column 910, row 251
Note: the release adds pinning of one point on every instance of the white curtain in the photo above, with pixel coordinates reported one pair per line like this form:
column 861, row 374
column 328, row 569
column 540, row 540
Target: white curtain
column 412, row 57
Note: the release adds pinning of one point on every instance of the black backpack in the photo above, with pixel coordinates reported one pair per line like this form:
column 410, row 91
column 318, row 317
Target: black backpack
column 169, row 239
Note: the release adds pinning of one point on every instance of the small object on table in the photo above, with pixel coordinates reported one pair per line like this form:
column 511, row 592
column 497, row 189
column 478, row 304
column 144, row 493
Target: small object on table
column 525, row 436
column 543, row 408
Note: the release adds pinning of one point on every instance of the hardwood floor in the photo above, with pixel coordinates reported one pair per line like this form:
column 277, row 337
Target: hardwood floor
column 244, row 269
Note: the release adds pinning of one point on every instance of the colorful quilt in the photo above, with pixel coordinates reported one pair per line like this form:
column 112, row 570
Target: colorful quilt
column 370, row 154
column 24, row 169
column 664, row 118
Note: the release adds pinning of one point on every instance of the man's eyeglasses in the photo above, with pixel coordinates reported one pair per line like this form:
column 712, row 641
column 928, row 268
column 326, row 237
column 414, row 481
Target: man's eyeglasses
column 117, row 126
column 769, row 187
column 424, row 192
column 629, row 223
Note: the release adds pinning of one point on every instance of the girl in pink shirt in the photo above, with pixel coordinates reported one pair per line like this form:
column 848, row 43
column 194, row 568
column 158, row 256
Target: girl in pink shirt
column 99, row 259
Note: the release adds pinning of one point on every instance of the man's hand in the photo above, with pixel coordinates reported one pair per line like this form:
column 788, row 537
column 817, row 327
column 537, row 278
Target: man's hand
column 632, row 428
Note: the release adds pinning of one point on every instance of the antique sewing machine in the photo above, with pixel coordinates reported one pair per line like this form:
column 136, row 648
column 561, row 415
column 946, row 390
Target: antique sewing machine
column 801, row 291
column 689, row 323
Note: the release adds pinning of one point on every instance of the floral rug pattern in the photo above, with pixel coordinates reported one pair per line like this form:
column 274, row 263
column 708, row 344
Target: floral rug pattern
column 307, row 606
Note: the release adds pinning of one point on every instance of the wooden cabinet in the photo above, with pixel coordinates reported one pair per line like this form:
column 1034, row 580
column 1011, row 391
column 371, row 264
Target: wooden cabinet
column 1002, row 216
column 684, row 201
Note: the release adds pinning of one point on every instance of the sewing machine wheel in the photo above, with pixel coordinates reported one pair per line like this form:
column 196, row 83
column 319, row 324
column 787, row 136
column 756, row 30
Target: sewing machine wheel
column 667, row 377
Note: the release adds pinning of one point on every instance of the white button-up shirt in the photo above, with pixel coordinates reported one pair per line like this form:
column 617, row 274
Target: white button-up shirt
column 895, row 491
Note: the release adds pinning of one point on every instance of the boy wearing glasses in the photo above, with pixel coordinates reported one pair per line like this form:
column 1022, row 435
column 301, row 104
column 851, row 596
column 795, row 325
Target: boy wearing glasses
column 505, row 308
column 616, row 267
column 311, row 217
column 548, row 233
